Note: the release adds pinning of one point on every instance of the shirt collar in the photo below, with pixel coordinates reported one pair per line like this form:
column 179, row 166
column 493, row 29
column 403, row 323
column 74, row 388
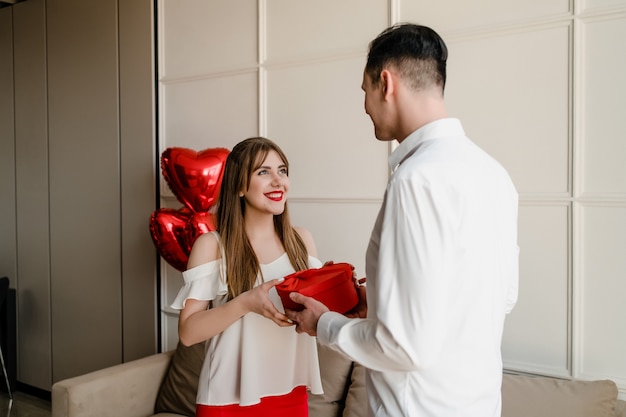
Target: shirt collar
column 433, row 130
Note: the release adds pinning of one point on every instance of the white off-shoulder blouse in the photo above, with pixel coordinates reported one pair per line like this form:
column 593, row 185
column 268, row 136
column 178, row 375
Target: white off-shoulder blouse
column 254, row 357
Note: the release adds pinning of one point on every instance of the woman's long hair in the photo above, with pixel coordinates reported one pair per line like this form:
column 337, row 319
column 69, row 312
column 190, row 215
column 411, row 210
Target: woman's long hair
column 242, row 264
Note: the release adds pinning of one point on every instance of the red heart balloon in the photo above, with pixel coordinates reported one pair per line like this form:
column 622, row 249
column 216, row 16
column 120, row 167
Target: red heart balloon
column 194, row 177
column 167, row 228
column 174, row 232
column 198, row 224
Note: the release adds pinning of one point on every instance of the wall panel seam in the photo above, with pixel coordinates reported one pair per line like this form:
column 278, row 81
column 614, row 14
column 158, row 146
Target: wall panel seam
column 532, row 25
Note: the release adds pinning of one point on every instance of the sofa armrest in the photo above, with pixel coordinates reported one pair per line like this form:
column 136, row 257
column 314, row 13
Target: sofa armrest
column 126, row 390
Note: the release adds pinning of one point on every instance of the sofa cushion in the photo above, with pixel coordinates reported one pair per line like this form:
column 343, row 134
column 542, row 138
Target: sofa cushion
column 356, row 398
column 527, row 396
column 335, row 370
column 177, row 394
column 344, row 387
column 343, row 382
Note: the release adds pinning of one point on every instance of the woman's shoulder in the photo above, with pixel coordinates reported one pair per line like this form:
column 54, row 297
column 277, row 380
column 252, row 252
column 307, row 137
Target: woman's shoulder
column 304, row 234
column 302, row 231
column 206, row 248
column 308, row 240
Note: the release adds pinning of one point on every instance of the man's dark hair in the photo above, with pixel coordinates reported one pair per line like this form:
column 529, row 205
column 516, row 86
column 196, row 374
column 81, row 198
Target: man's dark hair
column 417, row 52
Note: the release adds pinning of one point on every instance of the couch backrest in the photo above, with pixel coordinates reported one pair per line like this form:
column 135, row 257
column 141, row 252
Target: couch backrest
column 550, row 397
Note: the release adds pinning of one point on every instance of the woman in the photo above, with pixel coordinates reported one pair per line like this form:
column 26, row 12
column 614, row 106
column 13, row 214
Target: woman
column 256, row 364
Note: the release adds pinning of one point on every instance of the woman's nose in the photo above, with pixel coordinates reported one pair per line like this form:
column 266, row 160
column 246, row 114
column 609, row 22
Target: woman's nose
column 276, row 179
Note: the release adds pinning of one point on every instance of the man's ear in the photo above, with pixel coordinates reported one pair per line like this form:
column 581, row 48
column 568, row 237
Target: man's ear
column 387, row 83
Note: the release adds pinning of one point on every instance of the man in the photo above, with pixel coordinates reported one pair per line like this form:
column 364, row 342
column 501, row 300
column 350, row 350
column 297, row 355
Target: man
column 442, row 261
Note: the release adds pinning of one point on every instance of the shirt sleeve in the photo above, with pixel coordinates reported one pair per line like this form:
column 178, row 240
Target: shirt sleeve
column 415, row 260
column 203, row 282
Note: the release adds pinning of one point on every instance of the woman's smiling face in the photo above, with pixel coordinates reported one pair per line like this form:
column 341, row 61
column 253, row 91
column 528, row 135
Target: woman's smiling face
column 268, row 186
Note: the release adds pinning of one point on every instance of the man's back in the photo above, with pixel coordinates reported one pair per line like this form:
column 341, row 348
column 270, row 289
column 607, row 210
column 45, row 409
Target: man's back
column 443, row 273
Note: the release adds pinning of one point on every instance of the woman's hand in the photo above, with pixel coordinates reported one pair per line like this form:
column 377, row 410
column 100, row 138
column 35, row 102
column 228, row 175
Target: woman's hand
column 196, row 323
column 258, row 301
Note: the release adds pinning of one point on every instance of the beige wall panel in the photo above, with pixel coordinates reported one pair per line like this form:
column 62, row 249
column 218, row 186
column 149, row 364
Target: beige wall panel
column 600, row 293
column 341, row 230
column 536, row 331
column 200, row 36
column 211, row 112
column 84, row 168
column 315, row 113
column 593, row 5
column 603, row 106
column 171, row 283
column 8, row 253
column 300, row 30
column 454, row 15
column 138, row 178
column 31, row 153
column 514, row 107
column 169, row 328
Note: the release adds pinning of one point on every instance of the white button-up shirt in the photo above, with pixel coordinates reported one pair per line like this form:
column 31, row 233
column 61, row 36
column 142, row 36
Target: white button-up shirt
column 442, row 272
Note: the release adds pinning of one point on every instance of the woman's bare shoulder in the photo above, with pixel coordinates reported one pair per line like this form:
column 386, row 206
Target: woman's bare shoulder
column 308, row 240
column 205, row 249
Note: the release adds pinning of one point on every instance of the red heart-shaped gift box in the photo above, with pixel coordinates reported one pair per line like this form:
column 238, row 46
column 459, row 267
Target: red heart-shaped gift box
column 331, row 284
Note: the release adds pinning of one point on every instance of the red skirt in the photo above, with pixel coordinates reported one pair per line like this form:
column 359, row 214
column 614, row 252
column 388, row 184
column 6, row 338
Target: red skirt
column 294, row 404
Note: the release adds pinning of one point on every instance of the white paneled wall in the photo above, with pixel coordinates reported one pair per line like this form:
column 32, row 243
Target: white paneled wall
column 199, row 38
column 538, row 84
column 511, row 89
column 602, row 106
column 537, row 331
column 300, row 30
column 458, row 16
column 600, row 193
column 600, row 292
column 315, row 112
column 200, row 110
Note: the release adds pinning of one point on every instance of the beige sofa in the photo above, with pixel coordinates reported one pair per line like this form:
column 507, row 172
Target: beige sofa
column 165, row 385
column 164, row 382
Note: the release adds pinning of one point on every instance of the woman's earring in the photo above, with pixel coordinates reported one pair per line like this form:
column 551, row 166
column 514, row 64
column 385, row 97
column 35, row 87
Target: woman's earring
column 240, row 194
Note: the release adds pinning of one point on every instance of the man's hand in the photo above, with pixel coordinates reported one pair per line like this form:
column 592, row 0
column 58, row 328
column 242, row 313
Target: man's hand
column 360, row 310
column 306, row 320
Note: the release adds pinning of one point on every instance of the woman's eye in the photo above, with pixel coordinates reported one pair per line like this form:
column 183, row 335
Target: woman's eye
column 262, row 172
column 283, row 171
